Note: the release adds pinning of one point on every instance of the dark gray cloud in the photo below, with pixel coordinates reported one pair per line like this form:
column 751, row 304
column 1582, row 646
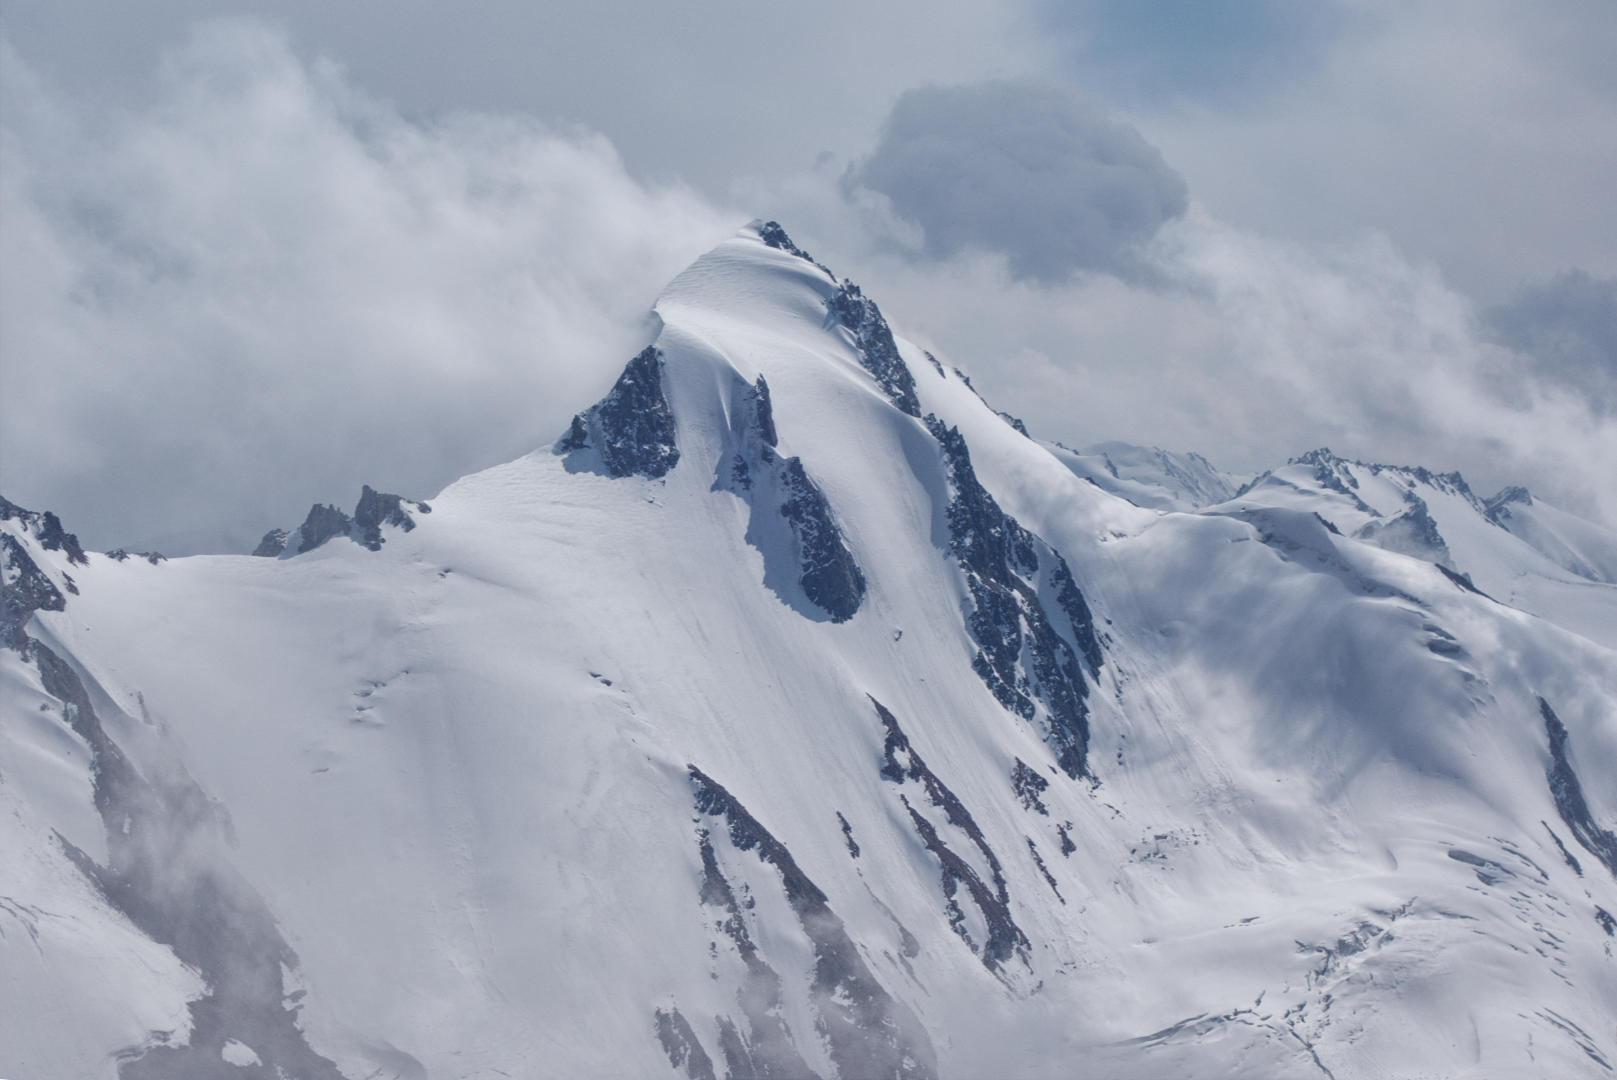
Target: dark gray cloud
column 1567, row 327
column 1024, row 169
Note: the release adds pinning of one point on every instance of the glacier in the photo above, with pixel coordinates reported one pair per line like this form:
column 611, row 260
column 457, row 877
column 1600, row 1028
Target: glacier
column 796, row 714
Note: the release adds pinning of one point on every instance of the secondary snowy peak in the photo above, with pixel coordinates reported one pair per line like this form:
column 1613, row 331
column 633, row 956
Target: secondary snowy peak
column 1148, row 476
column 1578, row 546
column 1513, row 548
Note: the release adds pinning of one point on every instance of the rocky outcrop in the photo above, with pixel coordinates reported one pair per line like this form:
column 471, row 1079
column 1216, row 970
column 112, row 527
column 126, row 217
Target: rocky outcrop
column 376, row 509
column 1567, row 790
column 901, row 764
column 46, row 528
column 831, row 578
column 24, row 589
column 323, row 522
column 780, row 491
column 682, row 1046
column 632, row 428
column 273, row 543
column 873, row 340
column 1030, row 667
column 868, row 1033
column 774, row 236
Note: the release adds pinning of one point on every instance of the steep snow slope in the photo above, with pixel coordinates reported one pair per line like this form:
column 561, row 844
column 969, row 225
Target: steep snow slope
column 794, row 714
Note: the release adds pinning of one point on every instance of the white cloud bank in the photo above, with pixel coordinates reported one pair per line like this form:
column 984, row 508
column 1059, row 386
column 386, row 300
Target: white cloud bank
column 267, row 289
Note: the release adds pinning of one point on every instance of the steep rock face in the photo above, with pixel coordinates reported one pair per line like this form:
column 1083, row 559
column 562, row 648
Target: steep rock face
column 24, row 589
column 323, row 523
column 878, row 352
column 25, row 586
column 1002, row 938
column 376, row 509
column 771, row 233
column 823, row 566
column 1411, row 533
column 1031, row 668
column 831, row 578
column 47, row 528
column 272, row 544
column 632, row 428
column 1569, row 798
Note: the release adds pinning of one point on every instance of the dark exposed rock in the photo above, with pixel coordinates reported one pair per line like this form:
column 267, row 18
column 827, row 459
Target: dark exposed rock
column 1038, row 860
column 847, row 836
column 1065, row 832
column 24, row 589
column 273, row 544
column 1079, row 618
column 633, row 426
column 773, row 235
column 1577, row 867
column 1498, row 507
column 376, row 509
column 824, row 567
column 167, row 873
column 153, row 557
column 1414, row 532
column 763, row 413
column 1606, row 921
column 577, row 437
column 878, row 352
column 682, row 1046
column 900, row 763
column 1488, row 871
column 47, row 528
column 831, row 578
column 1029, row 785
column 869, row 1034
column 1021, row 656
column 1015, row 422
column 324, row 522
column 1568, row 793
column 1462, row 580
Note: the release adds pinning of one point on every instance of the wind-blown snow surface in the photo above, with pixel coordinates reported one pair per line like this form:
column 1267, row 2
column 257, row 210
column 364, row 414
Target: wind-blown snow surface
column 606, row 767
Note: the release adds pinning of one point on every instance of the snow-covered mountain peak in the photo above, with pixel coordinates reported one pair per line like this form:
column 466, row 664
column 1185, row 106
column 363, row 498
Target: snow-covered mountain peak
column 794, row 714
